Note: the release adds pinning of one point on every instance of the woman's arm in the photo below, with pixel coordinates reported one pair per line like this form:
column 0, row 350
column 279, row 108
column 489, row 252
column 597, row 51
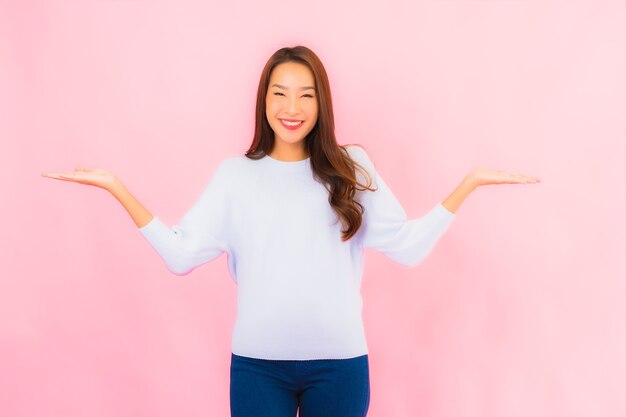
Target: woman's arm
column 105, row 179
column 454, row 200
column 481, row 176
column 199, row 237
column 140, row 215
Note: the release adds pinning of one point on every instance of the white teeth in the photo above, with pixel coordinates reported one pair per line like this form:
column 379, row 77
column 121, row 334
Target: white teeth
column 291, row 123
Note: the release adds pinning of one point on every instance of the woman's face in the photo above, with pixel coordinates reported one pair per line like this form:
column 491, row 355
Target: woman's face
column 291, row 96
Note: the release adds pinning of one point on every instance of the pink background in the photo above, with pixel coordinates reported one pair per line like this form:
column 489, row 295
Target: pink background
column 519, row 311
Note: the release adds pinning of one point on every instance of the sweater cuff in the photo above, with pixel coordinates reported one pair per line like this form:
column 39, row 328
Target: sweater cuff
column 444, row 212
column 154, row 229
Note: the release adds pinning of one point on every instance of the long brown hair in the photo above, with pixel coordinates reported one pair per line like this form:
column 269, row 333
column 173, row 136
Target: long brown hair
column 331, row 164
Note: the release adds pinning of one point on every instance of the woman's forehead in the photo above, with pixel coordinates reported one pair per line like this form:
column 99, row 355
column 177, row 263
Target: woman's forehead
column 292, row 75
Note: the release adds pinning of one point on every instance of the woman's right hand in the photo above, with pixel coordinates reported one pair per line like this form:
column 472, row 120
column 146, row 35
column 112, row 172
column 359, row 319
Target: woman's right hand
column 91, row 176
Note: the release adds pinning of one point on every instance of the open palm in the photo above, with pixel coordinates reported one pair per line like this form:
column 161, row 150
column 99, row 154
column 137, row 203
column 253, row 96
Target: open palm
column 91, row 176
column 484, row 176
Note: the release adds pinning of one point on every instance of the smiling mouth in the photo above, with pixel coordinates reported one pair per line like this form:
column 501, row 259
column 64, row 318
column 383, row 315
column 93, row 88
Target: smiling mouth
column 291, row 123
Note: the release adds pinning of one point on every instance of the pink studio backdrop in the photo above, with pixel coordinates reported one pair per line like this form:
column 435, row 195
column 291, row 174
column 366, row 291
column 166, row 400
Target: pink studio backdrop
column 520, row 309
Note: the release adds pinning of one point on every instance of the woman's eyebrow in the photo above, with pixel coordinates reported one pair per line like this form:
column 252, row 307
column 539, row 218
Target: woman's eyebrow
column 301, row 88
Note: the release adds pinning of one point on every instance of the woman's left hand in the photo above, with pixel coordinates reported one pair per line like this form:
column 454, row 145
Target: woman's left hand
column 482, row 176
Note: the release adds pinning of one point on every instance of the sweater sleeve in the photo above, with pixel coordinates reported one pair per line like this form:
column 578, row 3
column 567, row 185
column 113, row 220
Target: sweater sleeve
column 201, row 235
column 386, row 227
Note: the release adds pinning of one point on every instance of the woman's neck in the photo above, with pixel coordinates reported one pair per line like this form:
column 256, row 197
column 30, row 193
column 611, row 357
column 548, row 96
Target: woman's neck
column 295, row 152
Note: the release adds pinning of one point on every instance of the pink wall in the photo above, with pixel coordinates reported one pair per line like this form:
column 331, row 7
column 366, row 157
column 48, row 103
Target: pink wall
column 519, row 311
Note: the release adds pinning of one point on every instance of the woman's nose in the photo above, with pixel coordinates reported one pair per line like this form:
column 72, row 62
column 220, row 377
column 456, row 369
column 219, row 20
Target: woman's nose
column 293, row 106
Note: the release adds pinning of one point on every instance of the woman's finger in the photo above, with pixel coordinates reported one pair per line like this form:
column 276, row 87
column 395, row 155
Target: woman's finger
column 526, row 179
column 505, row 177
column 50, row 174
column 59, row 176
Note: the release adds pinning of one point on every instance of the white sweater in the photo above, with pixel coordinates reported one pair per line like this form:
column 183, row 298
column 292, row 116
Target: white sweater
column 298, row 284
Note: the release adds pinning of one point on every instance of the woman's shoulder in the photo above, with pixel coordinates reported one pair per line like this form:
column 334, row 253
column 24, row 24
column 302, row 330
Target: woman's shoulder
column 238, row 167
column 227, row 169
column 358, row 154
column 234, row 163
column 356, row 150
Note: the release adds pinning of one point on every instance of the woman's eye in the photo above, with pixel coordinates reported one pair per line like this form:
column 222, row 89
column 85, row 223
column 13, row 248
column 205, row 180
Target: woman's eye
column 281, row 94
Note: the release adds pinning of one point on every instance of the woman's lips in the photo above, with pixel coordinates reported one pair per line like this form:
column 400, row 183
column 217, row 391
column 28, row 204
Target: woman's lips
column 291, row 126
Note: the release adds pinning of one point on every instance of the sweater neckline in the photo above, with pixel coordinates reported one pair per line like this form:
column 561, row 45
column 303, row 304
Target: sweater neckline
column 286, row 164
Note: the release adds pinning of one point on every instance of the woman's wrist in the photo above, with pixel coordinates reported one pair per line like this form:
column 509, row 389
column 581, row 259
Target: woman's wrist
column 456, row 198
column 472, row 180
column 116, row 186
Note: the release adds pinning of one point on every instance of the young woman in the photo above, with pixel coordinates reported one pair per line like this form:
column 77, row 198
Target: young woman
column 293, row 215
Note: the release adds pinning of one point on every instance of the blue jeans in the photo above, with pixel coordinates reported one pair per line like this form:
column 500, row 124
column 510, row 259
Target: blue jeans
column 318, row 387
